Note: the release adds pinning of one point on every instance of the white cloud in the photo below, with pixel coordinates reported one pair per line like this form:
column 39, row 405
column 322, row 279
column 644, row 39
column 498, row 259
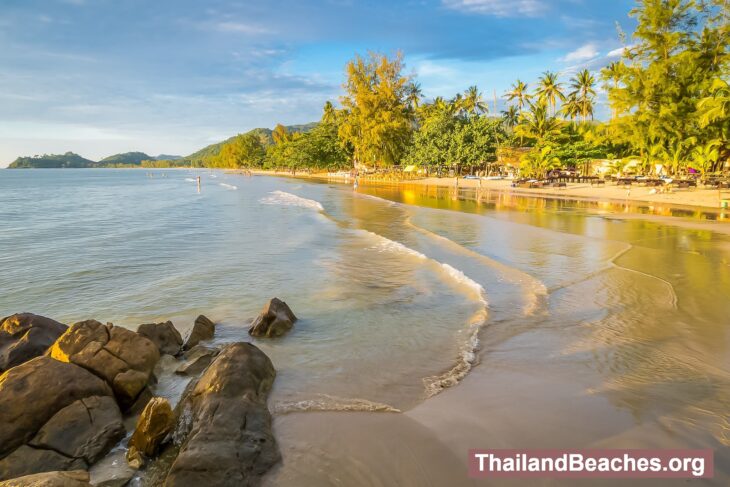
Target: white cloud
column 239, row 28
column 583, row 53
column 498, row 8
column 617, row 52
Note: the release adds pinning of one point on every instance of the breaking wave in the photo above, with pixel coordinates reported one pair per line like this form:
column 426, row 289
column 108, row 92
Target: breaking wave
column 467, row 356
column 228, row 186
column 287, row 199
column 325, row 402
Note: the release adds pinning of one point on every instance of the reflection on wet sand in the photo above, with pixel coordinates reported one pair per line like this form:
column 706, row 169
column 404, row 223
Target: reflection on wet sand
column 630, row 348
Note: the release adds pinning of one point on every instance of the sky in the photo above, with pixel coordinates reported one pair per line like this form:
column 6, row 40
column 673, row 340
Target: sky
column 99, row 77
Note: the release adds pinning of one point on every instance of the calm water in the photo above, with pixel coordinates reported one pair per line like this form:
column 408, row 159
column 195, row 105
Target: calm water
column 398, row 295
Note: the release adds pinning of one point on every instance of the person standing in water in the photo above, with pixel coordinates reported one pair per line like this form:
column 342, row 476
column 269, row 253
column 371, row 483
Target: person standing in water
column 198, row 178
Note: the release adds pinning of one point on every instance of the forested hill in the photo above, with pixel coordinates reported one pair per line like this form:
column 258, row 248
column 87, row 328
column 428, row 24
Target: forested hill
column 128, row 158
column 199, row 158
column 50, row 161
column 140, row 159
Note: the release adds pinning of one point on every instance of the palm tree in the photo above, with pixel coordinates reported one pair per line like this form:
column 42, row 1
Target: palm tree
column 414, row 94
column 550, row 90
column 539, row 161
column 717, row 105
column 584, row 93
column 329, row 113
column 705, row 157
column 537, row 123
column 520, row 94
column 613, row 73
column 457, row 104
column 571, row 108
column 441, row 105
column 511, row 116
column 473, row 103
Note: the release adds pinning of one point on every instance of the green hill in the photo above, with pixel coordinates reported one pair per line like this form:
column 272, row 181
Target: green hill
column 140, row 159
column 200, row 157
column 126, row 159
column 50, row 161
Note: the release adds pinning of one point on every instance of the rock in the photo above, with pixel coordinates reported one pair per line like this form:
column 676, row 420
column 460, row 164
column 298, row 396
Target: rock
column 154, row 425
column 24, row 336
column 111, row 471
column 86, row 429
column 121, row 357
column 164, row 335
column 275, row 319
column 75, row 478
column 224, row 426
column 33, row 392
column 27, row 460
column 198, row 358
column 203, row 329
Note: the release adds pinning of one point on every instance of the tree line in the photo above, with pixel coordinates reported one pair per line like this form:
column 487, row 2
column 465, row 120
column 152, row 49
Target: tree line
column 668, row 96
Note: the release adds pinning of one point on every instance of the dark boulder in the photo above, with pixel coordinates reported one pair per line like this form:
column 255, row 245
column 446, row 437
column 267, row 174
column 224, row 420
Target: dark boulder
column 203, row 329
column 121, row 357
column 86, row 429
column 153, row 427
column 224, row 425
column 275, row 319
column 164, row 335
column 33, row 392
column 198, row 358
column 75, row 478
column 24, row 336
column 27, row 460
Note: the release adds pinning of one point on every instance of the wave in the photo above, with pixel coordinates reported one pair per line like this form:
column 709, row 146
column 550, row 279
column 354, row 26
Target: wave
column 228, row 186
column 190, row 180
column 536, row 289
column 325, row 402
column 467, row 356
column 287, row 199
column 611, row 264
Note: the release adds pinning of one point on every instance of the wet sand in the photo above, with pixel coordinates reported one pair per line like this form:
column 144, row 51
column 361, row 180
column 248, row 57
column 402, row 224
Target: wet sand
column 554, row 380
column 698, row 197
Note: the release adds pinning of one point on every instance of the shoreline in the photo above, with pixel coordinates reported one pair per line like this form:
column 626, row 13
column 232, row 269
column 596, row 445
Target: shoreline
column 703, row 199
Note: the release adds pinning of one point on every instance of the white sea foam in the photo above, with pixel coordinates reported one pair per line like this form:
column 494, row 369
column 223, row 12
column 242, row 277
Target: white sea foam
column 325, row 402
column 467, row 356
column 287, row 199
column 228, row 186
column 190, row 180
column 536, row 289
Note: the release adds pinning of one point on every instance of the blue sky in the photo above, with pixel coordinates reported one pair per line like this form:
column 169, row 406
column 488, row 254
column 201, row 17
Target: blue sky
column 100, row 77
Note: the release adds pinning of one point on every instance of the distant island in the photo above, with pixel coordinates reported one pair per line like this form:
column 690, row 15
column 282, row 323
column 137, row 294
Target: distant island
column 200, row 158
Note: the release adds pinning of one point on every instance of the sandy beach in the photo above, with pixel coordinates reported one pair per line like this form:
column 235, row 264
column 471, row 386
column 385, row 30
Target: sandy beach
column 696, row 197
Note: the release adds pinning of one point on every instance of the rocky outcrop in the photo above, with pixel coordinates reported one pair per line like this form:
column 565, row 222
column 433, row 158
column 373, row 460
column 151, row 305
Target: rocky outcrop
column 32, row 393
column 24, row 336
column 54, row 416
column 153, row 427
column 75, row 478
column 275, row 319
column 224, row 426
column 121, row 357
column 198, row 358
column 86, row 429
column 203, row 329
column 164, row 335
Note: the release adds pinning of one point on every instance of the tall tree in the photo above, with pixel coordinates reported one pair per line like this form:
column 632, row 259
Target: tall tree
column 584, row 93
column 473, row 103
column 550, row 90
column 519, row 94
column 378, row 121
